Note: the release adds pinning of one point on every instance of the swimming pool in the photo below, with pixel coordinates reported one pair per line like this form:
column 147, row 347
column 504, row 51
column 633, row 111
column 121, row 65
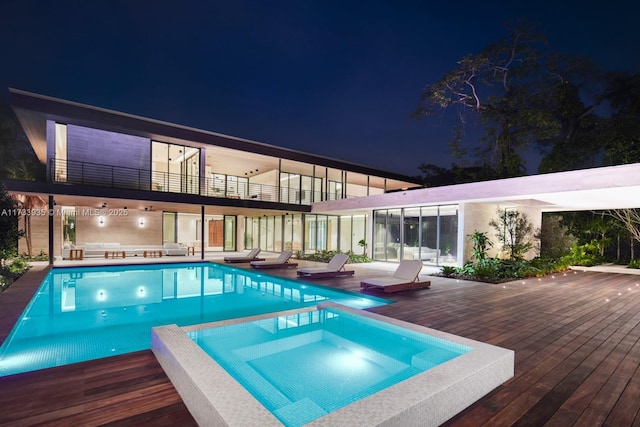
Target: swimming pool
column 88, row 313
column 332, row 365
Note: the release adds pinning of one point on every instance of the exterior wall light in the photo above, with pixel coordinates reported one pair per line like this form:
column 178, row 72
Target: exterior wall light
column 141, row 222
column 101, row 221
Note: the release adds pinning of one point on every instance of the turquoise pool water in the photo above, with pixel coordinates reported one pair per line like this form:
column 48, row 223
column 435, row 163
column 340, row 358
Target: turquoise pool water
column 87, row 313
column 306, row 365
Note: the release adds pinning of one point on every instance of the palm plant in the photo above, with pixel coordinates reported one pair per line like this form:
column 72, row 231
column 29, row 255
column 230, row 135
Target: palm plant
column 481, row 244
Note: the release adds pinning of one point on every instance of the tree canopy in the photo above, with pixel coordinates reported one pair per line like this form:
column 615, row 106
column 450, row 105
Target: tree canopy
column 517, row 96
column 9, row 232
column 18, row 158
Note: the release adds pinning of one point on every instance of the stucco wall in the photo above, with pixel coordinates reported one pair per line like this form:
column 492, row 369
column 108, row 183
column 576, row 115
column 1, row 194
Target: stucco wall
column 118, row 227
column 477, row 216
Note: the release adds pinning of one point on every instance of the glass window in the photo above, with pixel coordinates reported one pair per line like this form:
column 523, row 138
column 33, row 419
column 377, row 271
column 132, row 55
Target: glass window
column 317, row 190
column 379, row 235
column 305, row 190
column 429, row 250
column 60, row 152
column 412, row 236
column 448, row 234
column 277, row 234
column 393, row 234
column 345, row 233
column 69, row 225
column 387, row 235
column 270, row 237
column 175, row 168
column 359, row 233
column 297, row 232
column 310, row 227
column 332, row 233
column 335, row 190
column 169, row 227
column 229, row 233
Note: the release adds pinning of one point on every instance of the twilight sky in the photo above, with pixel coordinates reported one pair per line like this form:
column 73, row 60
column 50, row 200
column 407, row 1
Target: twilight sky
column 335, row 78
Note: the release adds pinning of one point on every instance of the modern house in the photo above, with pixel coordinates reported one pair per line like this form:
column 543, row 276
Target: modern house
column 117, row 181
column 128, row 181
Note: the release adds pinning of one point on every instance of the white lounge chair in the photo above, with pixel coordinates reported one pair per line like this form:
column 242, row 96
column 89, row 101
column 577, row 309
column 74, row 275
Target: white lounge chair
column 334, row 268
column 281, row 262
column 251, row 256
column 406, row 276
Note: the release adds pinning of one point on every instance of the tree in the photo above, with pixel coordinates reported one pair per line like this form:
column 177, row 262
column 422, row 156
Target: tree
column 629, row 220
column 521, row 96
column 554, row 237
column 435, row 176
column 15, row 150
column 9, row 233
column 28, row 203
column 20, row 163
column 574, row 136
column 623, row 130
column 514, row 231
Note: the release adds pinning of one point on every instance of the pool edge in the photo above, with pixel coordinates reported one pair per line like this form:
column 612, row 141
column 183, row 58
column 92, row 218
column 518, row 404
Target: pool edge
column 429, row 398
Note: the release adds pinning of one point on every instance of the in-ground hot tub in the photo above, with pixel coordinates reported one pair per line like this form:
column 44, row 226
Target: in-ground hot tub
column 332, row 365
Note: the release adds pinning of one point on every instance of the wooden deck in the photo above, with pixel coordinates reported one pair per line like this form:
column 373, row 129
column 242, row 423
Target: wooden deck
column 576, row 338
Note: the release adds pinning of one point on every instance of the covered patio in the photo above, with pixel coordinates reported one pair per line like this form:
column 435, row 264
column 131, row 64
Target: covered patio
column 576, row 337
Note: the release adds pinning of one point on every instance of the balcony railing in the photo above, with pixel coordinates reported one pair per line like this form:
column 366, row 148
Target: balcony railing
column 85, row 173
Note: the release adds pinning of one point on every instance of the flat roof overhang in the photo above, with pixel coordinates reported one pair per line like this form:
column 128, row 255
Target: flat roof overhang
column 90, row 196
column 33, row 110
column 612, row 187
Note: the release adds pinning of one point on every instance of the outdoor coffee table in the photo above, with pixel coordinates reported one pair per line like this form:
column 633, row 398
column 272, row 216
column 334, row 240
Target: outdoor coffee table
column 115, row 254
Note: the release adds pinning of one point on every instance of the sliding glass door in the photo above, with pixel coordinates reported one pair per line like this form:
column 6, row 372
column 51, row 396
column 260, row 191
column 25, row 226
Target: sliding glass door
column 175, row 168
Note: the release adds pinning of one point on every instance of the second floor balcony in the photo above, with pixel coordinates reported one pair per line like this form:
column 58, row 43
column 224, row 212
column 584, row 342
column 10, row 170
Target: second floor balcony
column 215, row 185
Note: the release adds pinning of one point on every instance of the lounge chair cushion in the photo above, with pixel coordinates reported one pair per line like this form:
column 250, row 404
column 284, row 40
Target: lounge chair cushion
column 252, row 255
column 283, row 258
column 408, row 270
column 336, row 264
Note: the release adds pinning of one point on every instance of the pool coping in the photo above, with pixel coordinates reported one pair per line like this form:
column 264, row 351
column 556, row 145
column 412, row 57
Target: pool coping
column 428, row 399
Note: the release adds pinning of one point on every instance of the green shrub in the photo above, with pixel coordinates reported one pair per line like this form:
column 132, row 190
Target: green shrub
column 634, row 263
column 12, row 270
column 586, row 255
column 40, row 257
column 449, row 271
column 494, row 270
column 325, row 256
column 481, row 244
column 15, row 268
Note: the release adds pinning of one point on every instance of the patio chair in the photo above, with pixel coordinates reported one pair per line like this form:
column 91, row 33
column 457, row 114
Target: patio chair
column 251, row 256
column 334, row 268
column 406, row 276
column 281, row 262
